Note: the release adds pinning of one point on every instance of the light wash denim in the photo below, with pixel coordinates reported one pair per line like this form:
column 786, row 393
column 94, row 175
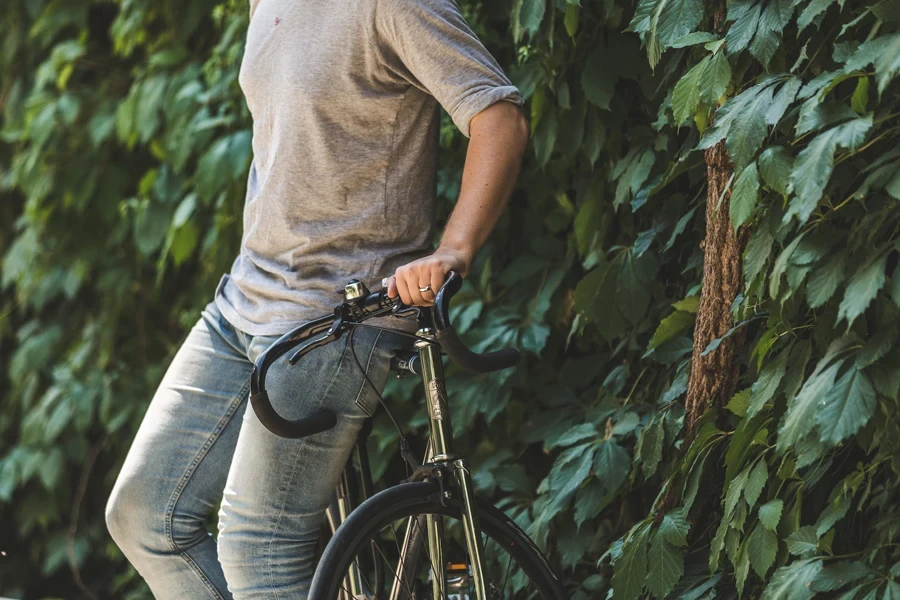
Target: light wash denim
column 201, row 444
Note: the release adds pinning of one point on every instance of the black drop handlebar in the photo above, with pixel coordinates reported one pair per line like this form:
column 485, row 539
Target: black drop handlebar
column 359, row 306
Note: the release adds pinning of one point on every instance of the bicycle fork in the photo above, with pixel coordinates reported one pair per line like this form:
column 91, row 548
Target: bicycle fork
column 441, row 448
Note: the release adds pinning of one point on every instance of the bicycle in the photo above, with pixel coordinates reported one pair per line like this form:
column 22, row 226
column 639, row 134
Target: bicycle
column 453, row 544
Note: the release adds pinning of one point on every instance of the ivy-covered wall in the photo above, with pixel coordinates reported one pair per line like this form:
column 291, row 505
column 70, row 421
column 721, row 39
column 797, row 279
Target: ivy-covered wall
column 750, row 144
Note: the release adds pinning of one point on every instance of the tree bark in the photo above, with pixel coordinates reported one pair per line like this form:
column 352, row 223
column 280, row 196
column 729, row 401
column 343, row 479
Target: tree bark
column 713, row 377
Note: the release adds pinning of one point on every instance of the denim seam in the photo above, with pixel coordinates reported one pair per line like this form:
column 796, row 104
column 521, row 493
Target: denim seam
column 303, row 444
column 176, row 495
column 366, row 374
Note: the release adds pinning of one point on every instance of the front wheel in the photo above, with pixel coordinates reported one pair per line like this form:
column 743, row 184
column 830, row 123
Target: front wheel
column 392, row 523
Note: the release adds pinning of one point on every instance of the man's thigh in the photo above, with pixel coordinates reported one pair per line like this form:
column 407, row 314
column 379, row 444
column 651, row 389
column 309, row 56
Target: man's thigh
column 278, row 488
column 178, row 463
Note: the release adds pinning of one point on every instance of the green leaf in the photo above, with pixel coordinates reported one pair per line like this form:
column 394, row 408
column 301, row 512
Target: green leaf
column 862, row 288
column 891, row 591
column 714, row 78
column 630, row 569
column 598, row 80
column 734, row 492
column 792, row 582
column 777, row 14
column 671, row 326
column 686, row 95
column 801, row 412
column 815, row 116
column 674, row 529
column 666, row 567
column 758, row 250
column 739, row 402
column 756, row 482
column 814, row 164
column 860, row 99
column 570, row 21
column 612, row 464
column 569, row 471
column 718, row 543
column 151, row 225
column 764, row 388
column 803, row 542
column 742, row 30
column 845, row 407
column 648, row 451
column 825, row 280
column 775, row 165
column 692, row 39
column 625, row 424
column 51, row 468
column 747, row 433
column 531, row 15
column 748, row 129
column 589, row 501
column 544, row 139
column 895, row 286
column 677, row 18
column 576, row 434
column 762, row 546
column 883, row 53
column 744, row 197
column 764, row 45
column 782, row 99
column 770, row 513
column 813, row 9
column 878, row 345
column 635, row 274
column 837, row 575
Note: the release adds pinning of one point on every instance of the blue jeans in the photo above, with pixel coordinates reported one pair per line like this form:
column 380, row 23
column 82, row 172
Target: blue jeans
column 200, row 445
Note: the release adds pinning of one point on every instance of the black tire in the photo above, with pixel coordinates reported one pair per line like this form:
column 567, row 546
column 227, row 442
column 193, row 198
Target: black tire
column 413, row 499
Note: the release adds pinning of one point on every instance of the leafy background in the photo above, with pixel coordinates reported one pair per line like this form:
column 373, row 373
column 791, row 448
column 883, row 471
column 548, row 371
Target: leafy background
column 673, row 142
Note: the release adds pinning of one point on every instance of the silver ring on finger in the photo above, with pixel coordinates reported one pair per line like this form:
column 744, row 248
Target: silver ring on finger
column 424, row 289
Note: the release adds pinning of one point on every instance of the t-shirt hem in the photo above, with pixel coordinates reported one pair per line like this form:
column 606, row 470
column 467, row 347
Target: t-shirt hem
column 281, row 327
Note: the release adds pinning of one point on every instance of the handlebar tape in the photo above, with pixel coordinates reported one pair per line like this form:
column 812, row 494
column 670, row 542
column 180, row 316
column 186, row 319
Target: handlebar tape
column 472, row 361
column 318, row 422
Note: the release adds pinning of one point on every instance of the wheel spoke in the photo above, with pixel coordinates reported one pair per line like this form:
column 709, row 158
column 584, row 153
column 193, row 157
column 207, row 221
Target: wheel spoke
column 506, row 577
column 396, row 576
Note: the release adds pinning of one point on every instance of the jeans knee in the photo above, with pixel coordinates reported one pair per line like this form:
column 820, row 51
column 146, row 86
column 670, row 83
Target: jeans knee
column 120, row 517
column 133, row 523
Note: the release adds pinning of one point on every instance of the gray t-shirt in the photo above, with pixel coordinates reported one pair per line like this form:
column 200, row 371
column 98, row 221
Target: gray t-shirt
column 344, row 97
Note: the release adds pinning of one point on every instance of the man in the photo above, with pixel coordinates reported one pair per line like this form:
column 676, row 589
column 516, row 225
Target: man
column 344, row 97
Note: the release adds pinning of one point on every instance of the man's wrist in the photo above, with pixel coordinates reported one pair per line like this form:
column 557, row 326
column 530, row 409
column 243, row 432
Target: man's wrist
column 463, row 251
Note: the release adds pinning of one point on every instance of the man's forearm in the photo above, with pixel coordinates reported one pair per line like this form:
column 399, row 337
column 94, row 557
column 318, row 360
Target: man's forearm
column 498, row 138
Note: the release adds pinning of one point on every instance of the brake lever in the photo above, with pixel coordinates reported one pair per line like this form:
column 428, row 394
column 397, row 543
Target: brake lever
column 334, row 332
column 310, row 346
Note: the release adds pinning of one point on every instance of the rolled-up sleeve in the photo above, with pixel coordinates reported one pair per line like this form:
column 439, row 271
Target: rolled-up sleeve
column 428, row 44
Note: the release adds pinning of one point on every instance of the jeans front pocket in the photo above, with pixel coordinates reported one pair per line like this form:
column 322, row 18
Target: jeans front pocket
column 375, row 355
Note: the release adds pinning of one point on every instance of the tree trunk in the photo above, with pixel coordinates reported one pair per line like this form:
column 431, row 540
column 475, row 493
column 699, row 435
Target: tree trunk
column 713, row 376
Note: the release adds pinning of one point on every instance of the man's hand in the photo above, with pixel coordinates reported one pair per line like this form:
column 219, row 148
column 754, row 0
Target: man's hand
column 410, row 279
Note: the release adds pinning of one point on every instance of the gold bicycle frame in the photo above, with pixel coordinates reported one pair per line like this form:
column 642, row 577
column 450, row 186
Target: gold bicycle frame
column 442, row 448
column 438, row 452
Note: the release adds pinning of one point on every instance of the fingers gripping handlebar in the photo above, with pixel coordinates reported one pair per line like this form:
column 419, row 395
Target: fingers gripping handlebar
column 358, row 307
